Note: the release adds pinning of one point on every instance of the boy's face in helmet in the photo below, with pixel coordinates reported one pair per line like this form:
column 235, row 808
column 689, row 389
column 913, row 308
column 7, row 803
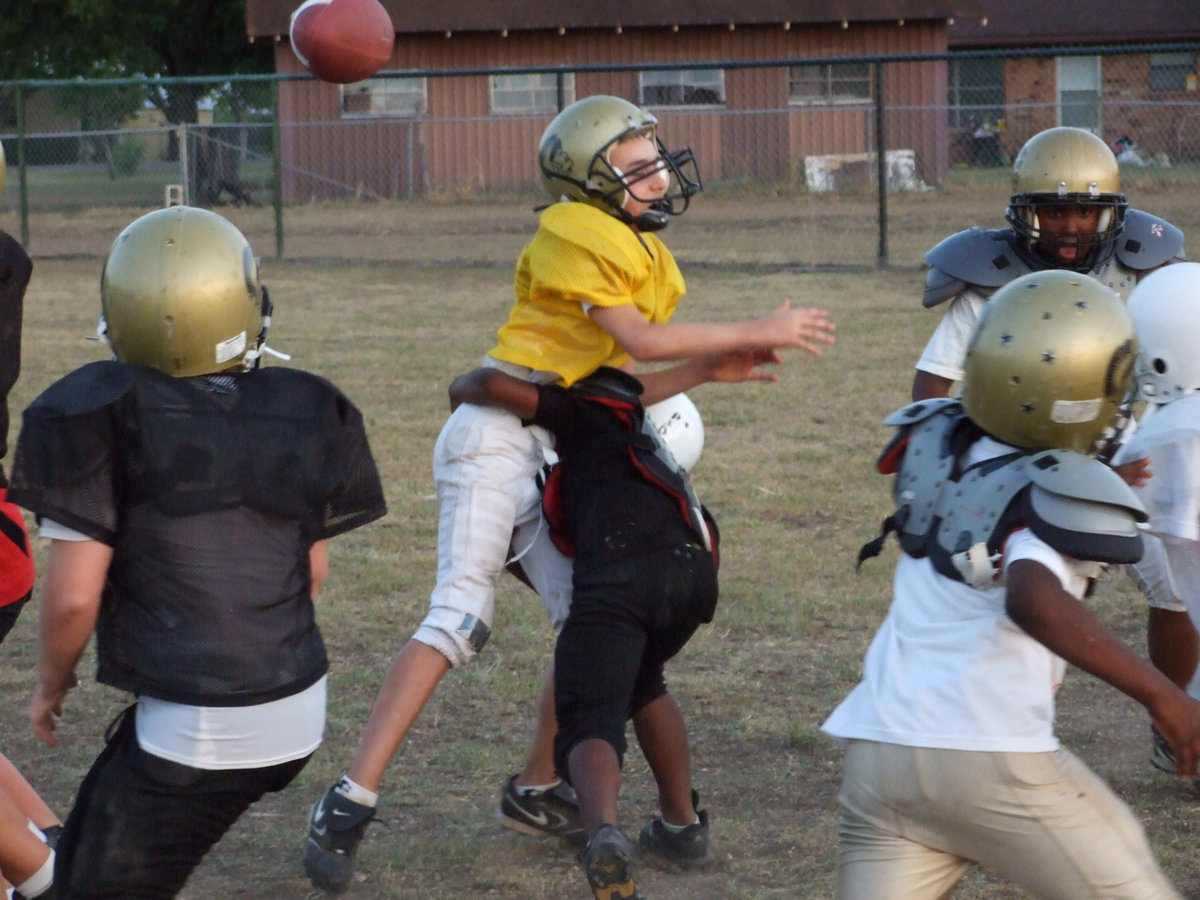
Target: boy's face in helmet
column 1067, row 231
column 646, row 176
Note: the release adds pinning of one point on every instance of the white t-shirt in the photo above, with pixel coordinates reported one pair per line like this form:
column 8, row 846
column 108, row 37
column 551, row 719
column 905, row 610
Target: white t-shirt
column 1170, row 438
column 224, row 737
column 949, row 669
column 947, row 347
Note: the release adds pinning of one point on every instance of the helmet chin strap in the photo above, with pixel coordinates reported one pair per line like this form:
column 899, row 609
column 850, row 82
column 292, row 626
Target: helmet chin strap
column 252, row 358
column 650, row 220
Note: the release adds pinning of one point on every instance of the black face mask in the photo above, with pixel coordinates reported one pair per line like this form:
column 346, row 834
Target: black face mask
column 684, row 183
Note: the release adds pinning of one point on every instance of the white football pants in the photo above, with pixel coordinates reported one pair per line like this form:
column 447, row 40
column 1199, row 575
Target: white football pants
column 485, row 465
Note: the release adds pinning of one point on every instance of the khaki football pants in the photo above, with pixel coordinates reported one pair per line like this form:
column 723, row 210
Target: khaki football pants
column 914, row 820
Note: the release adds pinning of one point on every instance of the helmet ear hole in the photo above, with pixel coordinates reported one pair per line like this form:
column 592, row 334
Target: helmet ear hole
column 1165, row 306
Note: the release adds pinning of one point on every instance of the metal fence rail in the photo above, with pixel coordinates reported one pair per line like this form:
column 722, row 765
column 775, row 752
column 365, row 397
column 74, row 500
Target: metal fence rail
column 797, row 181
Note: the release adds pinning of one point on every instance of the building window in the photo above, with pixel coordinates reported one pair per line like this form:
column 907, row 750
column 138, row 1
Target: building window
column 685, row 87
column 976, row 92
column 381, row 97
column 535, row 93
column 1170, row 71
column 834, row 83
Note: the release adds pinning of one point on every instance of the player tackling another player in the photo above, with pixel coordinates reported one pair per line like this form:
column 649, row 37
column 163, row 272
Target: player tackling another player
column 595, row 287
column 645, row 558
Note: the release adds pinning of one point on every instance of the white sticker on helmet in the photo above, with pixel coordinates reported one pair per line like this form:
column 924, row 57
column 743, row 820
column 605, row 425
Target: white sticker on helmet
column 232, row 348
column 1069, row 412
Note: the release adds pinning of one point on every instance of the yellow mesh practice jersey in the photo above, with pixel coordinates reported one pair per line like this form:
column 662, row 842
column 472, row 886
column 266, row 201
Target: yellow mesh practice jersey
column 582, row 255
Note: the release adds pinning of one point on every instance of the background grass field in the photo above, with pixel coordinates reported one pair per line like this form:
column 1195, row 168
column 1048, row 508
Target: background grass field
column 787, row 470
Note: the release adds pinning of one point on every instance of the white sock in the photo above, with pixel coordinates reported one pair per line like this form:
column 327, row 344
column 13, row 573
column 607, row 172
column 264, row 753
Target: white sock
column 352, row 790
column 675, row 829
column 40, row 881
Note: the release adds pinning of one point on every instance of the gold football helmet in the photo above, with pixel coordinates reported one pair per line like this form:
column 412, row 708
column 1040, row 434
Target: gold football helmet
column 180, row 292
column 1050, row 362
column 1068, row 167
column 573, row 157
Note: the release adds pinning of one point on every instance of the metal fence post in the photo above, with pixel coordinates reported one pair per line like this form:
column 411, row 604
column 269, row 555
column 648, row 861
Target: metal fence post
column 22, row 182
column 184, row 166
column 881, row 258
column 276, row 171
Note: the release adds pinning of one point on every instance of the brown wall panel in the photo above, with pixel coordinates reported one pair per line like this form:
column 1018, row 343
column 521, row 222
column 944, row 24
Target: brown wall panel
column 460, row 147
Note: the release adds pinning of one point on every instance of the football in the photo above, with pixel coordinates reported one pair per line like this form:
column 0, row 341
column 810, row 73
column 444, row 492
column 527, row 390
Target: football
column 342, row 41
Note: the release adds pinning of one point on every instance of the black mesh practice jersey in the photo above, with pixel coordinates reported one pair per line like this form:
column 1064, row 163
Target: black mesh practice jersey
column 211, row 491
column 611, row 510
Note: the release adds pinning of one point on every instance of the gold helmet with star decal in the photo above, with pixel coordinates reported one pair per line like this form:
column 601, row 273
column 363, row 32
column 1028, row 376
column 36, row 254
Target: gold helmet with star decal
column 1050, row 362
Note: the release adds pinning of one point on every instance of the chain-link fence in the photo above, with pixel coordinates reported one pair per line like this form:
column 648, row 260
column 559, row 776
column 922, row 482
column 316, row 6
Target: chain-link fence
column 791, row 181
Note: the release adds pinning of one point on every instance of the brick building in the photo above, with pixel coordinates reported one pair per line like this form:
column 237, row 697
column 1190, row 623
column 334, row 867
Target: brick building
column 398, row 135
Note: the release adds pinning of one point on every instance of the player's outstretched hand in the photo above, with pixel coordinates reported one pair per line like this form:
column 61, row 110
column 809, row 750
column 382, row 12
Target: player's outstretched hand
column 741, row 365
column 803, row 328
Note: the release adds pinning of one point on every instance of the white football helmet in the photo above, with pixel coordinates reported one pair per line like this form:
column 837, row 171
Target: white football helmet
column 1165, row 306
column 679, row 424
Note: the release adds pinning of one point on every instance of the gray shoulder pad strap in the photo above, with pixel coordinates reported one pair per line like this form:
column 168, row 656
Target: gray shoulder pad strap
column 977, row 258
column 919, row 411
column 1147, row 242
column 1081, row 507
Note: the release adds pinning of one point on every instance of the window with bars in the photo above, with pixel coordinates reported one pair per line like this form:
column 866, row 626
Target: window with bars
column 684, row 87
column 1170, row 71
column 830, row 83
column 382, row 97
column 976, row 92
column 533, row 93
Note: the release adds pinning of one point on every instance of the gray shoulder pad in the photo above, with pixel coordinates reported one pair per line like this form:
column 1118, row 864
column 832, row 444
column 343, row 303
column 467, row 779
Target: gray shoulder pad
column 1147, row 242
column 919, row 411
column 940, row 287
column 976, row 258
column 1081, row 507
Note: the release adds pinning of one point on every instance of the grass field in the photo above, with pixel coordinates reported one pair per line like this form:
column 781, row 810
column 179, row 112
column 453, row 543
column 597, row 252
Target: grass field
column 787, row 470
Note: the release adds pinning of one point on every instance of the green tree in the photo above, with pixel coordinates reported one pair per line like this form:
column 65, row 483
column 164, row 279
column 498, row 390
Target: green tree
column 151, row 38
